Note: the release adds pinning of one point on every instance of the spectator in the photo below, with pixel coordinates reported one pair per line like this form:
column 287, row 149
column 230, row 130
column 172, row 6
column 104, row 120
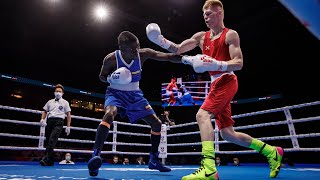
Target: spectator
column 165, row 118
column 126, row 161
column 218, row 161
column 67, row 159
column 33, row 156
column 115, row 160
column 140, row 161
column 236, row 162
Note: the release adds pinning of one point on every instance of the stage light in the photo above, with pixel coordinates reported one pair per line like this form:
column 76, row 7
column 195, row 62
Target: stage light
column 101, row 12
column 54, row 1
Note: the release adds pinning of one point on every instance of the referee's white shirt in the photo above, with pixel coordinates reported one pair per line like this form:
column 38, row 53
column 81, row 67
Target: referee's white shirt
column 57, row 108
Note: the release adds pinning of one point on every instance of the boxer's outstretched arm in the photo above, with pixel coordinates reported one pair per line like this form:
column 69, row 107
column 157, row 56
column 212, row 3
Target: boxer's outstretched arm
column 154, row 35
column 147, row 53
column 107, row 67
column 202, row 63
column 187, row 45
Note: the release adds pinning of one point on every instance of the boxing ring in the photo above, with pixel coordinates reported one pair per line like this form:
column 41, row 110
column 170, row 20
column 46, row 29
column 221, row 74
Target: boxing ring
column 120, row 132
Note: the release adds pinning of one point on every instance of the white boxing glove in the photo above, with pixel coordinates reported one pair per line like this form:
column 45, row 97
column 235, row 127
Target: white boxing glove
column 120, row 76
column 154, row 35
column 202, row 63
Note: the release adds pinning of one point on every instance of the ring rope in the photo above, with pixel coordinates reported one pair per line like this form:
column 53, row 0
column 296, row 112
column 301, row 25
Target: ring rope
column 142, row 153
column 247, row 151
column 177, row 144
column 71, row 150
column 289, row 121
column 260, row 112
column 261, row 138
column 254, row 125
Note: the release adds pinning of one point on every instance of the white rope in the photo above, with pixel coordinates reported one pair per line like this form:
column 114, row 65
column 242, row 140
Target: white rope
column 177, row 97
column 254, row 125
column 196, row 82
column 20, row 122
column 131, row 144
column 133, row 134
column 183, row 134
column 71, row 150
column 276, row 109
column 171, row 135
column 172, row 145
column 109, row 143
column 235, row 116
column 197, row 92
column 19, row 136
column 39, row 112
column 195, row 87
column 20, row 109
column 278, row 123
column 198, row 97
column 81, row 129
column 261, row 138
column 136, row 125
column 142, row 153
column 85, row 118
column 184, row 144
column 72, row 140
column 246, row 151
column 258, row 112
column 192, row 92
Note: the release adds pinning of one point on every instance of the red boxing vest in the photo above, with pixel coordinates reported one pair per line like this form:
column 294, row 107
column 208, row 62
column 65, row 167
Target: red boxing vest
column 216, row 48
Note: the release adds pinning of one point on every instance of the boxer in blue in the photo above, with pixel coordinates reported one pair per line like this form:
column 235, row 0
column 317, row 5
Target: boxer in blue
column 122, row 70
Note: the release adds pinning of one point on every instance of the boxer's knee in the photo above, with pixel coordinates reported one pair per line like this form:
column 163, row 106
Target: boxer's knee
column 156, row 125
column 110, row 113
column 154, row 122
column 202, row 116
column 227, row 133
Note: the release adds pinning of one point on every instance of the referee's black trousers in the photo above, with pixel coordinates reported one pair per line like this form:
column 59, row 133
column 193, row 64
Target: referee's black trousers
column 53, row 131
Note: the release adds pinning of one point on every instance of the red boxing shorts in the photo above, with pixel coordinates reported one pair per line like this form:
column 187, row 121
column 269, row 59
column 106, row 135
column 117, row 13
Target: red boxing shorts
column 222, row 91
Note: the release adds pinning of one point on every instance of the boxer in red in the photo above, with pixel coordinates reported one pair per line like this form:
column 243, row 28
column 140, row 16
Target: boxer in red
column 221, row 56
column 172, row 86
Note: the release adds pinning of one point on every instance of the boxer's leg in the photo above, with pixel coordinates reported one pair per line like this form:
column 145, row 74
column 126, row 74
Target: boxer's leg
column 154, row 162
column 101, row 135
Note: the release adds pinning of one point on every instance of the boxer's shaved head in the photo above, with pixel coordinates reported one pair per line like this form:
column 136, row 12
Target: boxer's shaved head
column 126, row 37
column 128, row 44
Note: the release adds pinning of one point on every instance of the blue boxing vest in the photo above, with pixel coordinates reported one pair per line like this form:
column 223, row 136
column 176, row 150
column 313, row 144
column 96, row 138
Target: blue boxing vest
column 134, row 66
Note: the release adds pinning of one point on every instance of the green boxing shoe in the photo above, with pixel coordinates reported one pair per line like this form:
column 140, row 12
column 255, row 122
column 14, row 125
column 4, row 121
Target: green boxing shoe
column 206, row 171
column 274, row 159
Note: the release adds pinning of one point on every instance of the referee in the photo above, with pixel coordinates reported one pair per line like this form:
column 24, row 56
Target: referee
column 56, row 110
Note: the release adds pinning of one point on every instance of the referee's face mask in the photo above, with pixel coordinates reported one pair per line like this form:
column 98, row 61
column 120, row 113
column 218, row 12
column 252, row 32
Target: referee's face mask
column 58, row 93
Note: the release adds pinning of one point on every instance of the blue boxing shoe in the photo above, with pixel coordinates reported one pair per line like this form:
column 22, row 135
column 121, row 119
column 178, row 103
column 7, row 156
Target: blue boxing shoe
column 155, row 163
column 94, row 163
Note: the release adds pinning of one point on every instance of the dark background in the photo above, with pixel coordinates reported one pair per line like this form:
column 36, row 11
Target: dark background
column 63, row 43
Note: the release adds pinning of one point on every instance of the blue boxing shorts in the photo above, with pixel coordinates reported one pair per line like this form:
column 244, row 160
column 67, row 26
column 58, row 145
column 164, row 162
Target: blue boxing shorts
column 187, row 99
column 129, row 103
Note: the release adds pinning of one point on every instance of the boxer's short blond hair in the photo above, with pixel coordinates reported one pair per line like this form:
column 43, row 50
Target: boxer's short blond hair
column 210, row 3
